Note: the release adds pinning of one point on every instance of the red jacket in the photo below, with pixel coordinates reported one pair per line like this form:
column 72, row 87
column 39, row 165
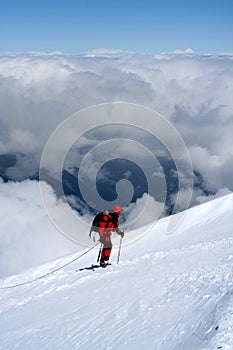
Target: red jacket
column 105, row 222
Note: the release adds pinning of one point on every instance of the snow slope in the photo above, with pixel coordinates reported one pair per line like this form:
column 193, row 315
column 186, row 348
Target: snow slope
column 169, row 291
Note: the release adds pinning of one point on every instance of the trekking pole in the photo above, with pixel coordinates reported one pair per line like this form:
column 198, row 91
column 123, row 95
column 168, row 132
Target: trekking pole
column 100, row 251
column 119, row 251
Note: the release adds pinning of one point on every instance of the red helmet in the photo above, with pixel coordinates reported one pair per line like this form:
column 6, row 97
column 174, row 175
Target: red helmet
column 117, row 209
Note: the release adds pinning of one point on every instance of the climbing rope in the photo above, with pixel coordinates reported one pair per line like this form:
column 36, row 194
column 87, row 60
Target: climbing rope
column 51, row 272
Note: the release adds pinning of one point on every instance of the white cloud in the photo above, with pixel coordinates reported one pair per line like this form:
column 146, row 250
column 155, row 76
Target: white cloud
column 220, row 193
column 107, row 52
column 38, row 91
column 145, row 211
column 178, row 51
column 27, row 236
column 184, row 193
column 215, row 169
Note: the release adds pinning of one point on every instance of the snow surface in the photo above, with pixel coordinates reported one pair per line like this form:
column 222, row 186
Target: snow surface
column 169, row 291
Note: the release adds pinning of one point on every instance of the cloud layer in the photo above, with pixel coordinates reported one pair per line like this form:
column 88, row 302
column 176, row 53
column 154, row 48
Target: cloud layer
column 37, row 92
column 27, row 236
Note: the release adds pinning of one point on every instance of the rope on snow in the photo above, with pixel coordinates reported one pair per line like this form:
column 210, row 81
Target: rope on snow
column 51, row 272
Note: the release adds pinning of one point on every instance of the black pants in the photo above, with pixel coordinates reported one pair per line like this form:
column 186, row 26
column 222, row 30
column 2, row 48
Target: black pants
column 106, row 251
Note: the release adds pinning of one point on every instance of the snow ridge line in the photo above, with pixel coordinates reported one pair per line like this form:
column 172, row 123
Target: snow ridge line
column 176, row 251
column 49, row 273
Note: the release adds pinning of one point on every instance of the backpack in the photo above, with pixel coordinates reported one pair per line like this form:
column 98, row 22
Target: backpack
column 103, row 223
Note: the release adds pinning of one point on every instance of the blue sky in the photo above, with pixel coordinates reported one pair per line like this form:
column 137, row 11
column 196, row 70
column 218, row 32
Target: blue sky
column 77, row 26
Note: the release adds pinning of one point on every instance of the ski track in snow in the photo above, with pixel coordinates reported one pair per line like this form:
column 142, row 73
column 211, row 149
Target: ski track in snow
column 168, row 293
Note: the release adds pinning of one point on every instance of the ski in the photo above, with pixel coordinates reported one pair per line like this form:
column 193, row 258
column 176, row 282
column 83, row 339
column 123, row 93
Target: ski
column 93, row 267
